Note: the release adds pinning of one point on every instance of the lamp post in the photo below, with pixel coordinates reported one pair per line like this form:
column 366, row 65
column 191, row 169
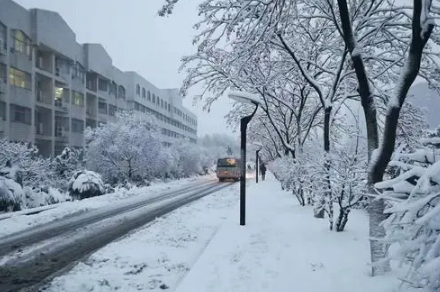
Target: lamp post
column 257, row 161
column 244, row 97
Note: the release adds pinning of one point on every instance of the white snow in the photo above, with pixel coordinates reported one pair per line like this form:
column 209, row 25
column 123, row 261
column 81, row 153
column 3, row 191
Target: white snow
column 245, row 97
column 283, row 248
column 18, row 221
column 159, row 254
column 201, row 247
column 84, row 180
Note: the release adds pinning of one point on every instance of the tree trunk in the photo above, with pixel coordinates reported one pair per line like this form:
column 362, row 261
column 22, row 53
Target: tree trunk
column 330, row 213
column 320, row 210
column 300, row 196
column 377, row 167
column 342, row 219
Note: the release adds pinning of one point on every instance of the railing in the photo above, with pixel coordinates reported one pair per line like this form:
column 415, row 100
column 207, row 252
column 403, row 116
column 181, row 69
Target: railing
column 91, row 112
column 44, row 97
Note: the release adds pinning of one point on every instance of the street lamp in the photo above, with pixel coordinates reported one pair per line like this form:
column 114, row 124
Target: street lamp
column 257, row 161
column 247, row 98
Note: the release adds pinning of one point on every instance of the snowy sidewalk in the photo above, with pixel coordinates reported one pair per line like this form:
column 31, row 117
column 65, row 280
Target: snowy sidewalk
column 283, row 249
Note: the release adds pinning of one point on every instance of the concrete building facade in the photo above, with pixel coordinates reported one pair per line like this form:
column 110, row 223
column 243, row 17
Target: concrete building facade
column 52, row 88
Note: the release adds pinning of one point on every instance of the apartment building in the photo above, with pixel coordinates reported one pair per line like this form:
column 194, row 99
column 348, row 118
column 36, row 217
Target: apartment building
column 52, row 88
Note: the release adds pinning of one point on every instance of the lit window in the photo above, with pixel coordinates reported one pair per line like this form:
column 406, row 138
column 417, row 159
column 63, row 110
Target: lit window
column 22, row 43
column 20, row 78
column 77, row 99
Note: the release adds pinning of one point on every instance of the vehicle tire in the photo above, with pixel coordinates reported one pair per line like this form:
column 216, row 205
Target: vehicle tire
column 221, row 179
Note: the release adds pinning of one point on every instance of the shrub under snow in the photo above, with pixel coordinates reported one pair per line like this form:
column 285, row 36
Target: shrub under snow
column 11, row 195
column 86, row 184
column 414, row 221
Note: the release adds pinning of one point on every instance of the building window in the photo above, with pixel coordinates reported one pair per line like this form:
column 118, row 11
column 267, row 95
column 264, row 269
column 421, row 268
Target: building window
column 20, row 114
column 149, row 95
column 138, row 89
column 78, row 72
column 3, row 72
column 22, row 43
column 121, row 92
column 113, row 89
column 102, row 107
column 112, row 110
column 77, row 99
column 2, row 111
column 144, row 94
column 77, row 126
column 103, row 84
column 3, row 34
column 20, row 78
column 154, row 98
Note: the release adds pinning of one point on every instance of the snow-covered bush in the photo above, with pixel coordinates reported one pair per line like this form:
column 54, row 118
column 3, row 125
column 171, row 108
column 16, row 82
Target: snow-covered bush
column 189, row 158
column 129, row 149
column 292, row 175
column 11, row 195
column 65, row 165
column 86, row 184
column 23, row 161
column 42, row 197
column 413, row 224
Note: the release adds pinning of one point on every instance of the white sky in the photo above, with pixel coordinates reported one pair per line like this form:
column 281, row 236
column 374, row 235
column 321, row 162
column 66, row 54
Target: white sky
column 139, row 40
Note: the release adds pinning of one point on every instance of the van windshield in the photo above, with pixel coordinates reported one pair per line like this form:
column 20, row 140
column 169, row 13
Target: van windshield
column 227, row 162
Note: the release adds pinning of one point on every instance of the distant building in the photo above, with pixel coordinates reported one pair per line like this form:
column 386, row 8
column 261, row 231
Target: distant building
column 52, row 87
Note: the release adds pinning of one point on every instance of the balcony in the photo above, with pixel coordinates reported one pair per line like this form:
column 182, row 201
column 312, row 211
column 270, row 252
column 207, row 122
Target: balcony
column 61, row 134
column 104, row 87
column 102, row 110
column 91, row 112
column 43, row 61
column 92, row 81
column 43, row 89
column 43, row 122
column 44, row 97
column 62, row 69
column 91, row 105
column 62, row 98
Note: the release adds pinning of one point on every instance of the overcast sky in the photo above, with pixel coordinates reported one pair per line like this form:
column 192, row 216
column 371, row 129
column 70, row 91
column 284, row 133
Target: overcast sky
column 139, row 40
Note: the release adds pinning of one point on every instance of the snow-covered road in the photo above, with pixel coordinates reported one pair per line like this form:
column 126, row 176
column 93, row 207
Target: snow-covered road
column 18, row 221
column 31, row 255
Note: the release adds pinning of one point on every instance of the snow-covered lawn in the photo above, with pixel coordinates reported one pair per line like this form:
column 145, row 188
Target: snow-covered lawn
column 18, row 221
column 158, row 255
column 283, row 248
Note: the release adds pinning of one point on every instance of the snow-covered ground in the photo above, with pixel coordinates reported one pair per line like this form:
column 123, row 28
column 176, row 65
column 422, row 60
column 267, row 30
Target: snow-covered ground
column 17, row 221
column 201, row 247
column 158, row 255
column 283, row 248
